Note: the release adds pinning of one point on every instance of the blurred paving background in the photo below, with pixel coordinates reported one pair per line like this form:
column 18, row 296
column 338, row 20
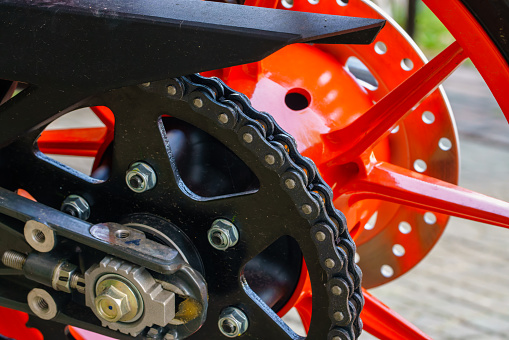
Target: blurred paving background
column 461, row 289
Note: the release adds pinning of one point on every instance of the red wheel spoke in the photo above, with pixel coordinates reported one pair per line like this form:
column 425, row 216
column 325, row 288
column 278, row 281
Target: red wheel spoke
column 382, row 322
column 74, row 142
column 352, row 140
column 392, row 183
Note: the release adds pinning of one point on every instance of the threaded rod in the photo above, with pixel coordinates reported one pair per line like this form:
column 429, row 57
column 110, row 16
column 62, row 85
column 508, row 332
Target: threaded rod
column 78, row 282
column 14, row 259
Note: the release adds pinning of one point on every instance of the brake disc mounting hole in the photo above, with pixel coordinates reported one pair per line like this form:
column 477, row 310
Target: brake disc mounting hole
column 380, row 48
column 405, row 227
column 287, row 3
column 398, row 250
column 428, row 117
column 445, row 144
column 387, row 271
column 430, row 218
column 420, row 165
column 297, row 99
column 407, row 64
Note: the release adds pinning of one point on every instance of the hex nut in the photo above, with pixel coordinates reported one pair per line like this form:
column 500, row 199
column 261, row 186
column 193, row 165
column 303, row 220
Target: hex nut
column 112, row 304
column 140, row 177
column 42, row 304
column 62, row 276
column 223, row 234
column 39, row 236
column 76, row 206
column 232, row 322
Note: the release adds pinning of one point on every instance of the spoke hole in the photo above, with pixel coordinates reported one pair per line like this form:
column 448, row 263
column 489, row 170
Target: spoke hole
column 380, row 48
column 387, row 271
column 398, row 250
column 420, row 165
column 445, row 144
column 407, row 64
column 313, row 2
column 342, row 2
column 404, row 227
column 361, row 73
column 297, row 99
column 428, row 117
column 430, row 218
column 287, row 3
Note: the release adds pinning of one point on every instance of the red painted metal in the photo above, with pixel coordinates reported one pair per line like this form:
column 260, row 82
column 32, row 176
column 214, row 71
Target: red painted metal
column 389, row 182
column 478, row 46
column 75, row 142
column 13, row 325
column 351, row 141
column 384, row 323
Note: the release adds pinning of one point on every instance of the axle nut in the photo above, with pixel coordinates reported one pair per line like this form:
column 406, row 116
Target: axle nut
column 76, row 206
column 140, row 177
column 233, row 322
column 223, row 234
column 112, row 304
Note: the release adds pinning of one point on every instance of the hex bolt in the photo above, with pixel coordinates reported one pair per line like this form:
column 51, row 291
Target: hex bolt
column 63, row 277
column 140, row 177
column 232, row 322
column 76, row 206
column 223, row 234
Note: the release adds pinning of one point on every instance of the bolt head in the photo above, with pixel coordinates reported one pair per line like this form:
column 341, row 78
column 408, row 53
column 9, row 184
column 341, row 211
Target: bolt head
column 232, row 322
column 223, row 234
column 76, row 206
column 140, row 177
column 112, row 304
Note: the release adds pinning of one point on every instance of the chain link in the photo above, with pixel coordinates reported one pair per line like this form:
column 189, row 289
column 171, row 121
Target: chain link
column 277, row 150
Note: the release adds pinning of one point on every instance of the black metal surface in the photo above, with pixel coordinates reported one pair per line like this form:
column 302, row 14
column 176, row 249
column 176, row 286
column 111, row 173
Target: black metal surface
column 114, row 43
column 262, row 217
column 71, row 50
